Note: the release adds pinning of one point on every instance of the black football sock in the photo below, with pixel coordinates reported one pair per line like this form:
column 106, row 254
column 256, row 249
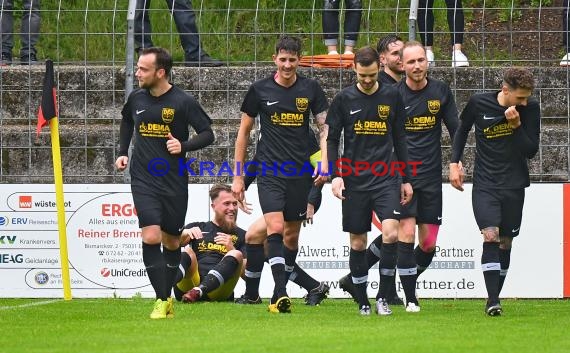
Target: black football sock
column 491, row 266
column 290, row 257
column 277, row 263
column 423, row 259
column 302, row 278
column 218, row 275
column 373, row 251
column 253, row 268
column 407, row 270
column 373, row 255
column 172, row 262
column 505, row 260
column 359, row 273
column 185, row 261
column 387, row 267
column 154, row 264
column 392, row 293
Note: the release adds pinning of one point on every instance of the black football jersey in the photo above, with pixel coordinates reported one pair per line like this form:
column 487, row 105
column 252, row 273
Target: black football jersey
column 501, row 152
column 152, row 119
column 284, row 114
column 425, row 110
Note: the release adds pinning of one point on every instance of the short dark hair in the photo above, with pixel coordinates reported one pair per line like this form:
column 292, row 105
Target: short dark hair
column 366, row 56
column 289, row 44
column 163, row 58
column 385, row 42
column 518, row 77
column 217, row 188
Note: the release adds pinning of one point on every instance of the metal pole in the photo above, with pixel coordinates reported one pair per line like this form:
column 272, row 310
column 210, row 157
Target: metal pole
column 412, row 19
column 130, row 49
column 129, row 65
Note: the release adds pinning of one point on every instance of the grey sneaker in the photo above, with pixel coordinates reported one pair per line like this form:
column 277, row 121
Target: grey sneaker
column 365, row 310
column 494, row 309
column 382, row 307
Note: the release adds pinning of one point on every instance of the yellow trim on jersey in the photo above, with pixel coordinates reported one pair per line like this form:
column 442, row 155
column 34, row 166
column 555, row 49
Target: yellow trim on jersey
column 315, row 158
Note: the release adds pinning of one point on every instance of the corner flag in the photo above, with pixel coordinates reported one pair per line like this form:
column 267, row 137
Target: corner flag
column 48, row 108
column 48, row 114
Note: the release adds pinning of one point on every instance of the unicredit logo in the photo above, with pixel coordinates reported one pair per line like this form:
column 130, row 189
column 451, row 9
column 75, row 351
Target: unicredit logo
column 125, row 272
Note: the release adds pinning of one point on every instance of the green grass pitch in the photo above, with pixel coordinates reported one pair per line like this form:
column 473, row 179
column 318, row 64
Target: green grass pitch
column 123, row 326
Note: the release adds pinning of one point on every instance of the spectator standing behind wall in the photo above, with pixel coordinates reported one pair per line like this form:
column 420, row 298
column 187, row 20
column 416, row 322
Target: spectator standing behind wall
column 29, row 31
column 185, row 20
column 456, row 23
column 331, row 24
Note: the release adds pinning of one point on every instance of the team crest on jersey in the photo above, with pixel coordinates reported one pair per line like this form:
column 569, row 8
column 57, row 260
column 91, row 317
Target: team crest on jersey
column 383, row 111
column 302, row 104
column 433, row 106
column 167, row 115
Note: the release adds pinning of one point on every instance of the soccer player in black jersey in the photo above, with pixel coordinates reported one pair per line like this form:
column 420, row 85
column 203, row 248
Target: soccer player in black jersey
column 507, row 128
column 369, row 177
column 284, row 103
column 391, row 72
column 160, row 115
column 256, row 236
column 389, row 48
column 428, row 103
column 211, row 266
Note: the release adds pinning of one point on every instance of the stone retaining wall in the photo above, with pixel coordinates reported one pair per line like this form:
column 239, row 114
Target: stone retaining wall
column 90, row 100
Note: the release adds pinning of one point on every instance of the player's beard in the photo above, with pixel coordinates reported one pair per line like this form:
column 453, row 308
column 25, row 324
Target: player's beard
column 397, row 68
column 367, row 87
column 418, row 76
column 227, row 225
column 148, row 83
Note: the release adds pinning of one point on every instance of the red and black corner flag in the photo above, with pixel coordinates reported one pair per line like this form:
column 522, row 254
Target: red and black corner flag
column 48, row 108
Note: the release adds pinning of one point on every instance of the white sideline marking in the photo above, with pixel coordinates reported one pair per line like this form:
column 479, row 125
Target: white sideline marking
column 29, row 304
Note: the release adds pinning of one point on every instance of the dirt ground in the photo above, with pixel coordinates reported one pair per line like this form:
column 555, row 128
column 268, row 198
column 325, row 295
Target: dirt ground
column 524, row 35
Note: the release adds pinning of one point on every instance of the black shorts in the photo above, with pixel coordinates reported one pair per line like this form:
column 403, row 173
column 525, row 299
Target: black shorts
column 167, row 211
column 426, row 204
column 498, row 208
column 357, row 207
column 287, row 195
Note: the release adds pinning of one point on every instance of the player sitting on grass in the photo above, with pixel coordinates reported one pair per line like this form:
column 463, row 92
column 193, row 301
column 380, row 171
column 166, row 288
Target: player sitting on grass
column 211, row 263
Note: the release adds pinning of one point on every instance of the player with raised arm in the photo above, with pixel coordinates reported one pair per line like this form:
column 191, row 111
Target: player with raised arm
column 507, row 129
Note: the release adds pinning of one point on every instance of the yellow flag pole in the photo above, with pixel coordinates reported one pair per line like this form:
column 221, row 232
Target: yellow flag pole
column 58, row 179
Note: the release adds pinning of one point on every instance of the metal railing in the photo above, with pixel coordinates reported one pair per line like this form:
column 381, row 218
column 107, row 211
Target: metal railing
column 92, row 45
